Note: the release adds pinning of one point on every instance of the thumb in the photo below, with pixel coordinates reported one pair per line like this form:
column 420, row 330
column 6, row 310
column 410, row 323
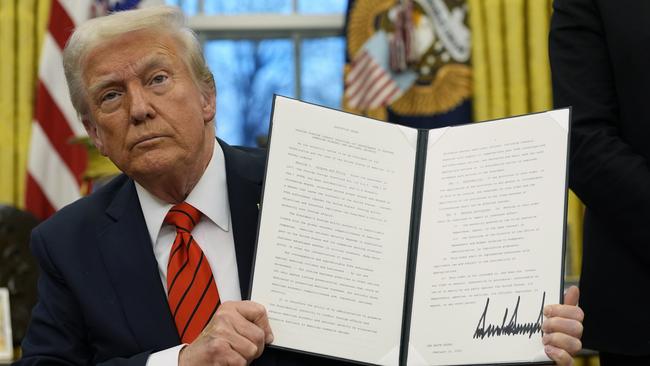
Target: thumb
column 571, row 296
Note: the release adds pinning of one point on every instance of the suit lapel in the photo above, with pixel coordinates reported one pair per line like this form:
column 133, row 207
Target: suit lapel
column 244, row 172
column 128, row 256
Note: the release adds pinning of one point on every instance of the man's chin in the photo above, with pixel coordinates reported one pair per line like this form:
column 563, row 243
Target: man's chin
column 149, row 169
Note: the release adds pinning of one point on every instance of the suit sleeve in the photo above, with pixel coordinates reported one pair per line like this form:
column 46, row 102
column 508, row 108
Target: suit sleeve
column 56, row 333
column 605, row 172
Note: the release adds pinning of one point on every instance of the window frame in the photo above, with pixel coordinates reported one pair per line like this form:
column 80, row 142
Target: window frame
column 296, row 27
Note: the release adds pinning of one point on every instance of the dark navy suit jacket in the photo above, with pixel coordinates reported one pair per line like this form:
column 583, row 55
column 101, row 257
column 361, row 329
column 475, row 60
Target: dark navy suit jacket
column 601, row 66
column 100, row 295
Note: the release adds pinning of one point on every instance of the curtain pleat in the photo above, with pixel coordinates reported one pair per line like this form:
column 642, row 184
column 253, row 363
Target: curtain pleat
column 515, row 51
column 7, row 101
column 22, row 27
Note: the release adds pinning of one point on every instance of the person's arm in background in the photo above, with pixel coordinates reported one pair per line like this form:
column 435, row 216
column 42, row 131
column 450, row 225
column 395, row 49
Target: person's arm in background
column 605, row 172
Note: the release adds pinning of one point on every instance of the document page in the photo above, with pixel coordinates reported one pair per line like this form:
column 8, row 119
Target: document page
column 333, row 238
column 491, row 241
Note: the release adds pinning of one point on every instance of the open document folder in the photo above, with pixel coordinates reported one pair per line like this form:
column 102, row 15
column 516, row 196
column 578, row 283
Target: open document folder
column 389, row 245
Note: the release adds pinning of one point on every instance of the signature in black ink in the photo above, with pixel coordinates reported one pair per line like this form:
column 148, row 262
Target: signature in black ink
column 513, row 327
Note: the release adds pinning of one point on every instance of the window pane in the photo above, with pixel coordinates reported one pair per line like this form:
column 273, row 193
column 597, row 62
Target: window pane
column 322, row 6
column 247, row 74
column 247, row 6
column 322, row 71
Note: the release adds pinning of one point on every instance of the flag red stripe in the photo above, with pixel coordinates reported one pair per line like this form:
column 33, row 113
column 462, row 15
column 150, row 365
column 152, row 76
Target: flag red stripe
column 61, row 26
column 389, row 97
column 35, row 200
column 368, row 68
column 384, row 98
column 362, row 84
column 361, row 94
column 376, row 84
column 59, row 133
column 373, row 93
column 360, row 64
column 359, row 69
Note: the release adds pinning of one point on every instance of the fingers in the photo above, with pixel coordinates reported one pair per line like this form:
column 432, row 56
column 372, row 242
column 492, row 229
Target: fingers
column 564, row 311
column 256, row 313
column 236, row 335
column 560, row 356
column 569, row 309
column 565, row 342
column 248, row 348
column 248, row 327
column 254, row 336
column 567, row 326
column 571, row 296
column 563, row 328
column 561, row 347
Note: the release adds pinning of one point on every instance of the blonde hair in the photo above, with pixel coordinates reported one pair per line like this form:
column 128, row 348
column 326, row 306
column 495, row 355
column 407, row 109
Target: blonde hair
column 92, row 33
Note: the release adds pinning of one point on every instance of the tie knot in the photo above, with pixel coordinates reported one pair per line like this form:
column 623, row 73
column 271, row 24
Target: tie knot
column 184, row 216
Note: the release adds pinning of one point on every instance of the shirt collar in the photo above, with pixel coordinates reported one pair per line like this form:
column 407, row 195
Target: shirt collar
column 210, row 196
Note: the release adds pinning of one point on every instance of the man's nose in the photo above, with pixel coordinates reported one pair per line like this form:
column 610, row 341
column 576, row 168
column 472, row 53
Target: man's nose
column 141, row 107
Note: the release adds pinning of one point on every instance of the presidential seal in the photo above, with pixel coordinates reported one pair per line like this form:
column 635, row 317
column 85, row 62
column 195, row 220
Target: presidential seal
column 435, row 49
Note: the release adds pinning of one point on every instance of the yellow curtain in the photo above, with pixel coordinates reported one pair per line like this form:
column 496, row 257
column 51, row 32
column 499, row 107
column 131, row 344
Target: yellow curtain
column 22, row 27
column 510, row 57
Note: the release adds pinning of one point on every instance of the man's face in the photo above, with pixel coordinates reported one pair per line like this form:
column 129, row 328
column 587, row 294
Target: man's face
column 145, row 111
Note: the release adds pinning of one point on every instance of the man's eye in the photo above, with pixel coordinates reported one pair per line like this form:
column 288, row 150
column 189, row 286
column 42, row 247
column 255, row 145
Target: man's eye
column 109, row 96
column 158, row 79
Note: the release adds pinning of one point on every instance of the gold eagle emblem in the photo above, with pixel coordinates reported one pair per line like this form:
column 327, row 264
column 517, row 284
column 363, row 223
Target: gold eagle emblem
column 440, row 44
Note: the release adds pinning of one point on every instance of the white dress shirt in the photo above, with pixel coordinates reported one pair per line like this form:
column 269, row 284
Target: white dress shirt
column 212, row 233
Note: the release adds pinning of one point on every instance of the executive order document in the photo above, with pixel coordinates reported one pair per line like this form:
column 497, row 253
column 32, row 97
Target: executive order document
column 389, row 245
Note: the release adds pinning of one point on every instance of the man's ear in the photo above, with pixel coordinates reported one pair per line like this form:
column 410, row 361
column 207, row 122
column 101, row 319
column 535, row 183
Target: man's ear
column 209, row 105
column 91, row 129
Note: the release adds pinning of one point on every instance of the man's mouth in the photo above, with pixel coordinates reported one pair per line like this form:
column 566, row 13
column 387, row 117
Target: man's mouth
column 147, row 140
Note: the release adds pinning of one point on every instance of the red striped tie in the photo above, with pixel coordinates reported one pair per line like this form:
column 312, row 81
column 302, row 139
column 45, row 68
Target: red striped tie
column 191, row 289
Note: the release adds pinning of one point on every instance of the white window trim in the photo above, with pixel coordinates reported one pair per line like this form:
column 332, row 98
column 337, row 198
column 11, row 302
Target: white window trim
column 263, row 23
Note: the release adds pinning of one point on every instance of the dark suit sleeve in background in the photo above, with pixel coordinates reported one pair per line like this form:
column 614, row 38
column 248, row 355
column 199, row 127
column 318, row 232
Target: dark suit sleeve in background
column 610, row 176
column 600, row 64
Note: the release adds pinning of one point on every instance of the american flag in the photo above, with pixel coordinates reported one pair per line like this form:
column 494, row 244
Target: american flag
column 368, row 85
column 55, row 166
column 371, row 83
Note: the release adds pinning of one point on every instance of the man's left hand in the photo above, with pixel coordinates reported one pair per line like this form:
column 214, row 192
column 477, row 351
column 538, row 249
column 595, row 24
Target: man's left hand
column 563, row 328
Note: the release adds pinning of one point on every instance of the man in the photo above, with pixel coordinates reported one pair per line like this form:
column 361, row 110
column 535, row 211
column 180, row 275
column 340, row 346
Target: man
column 600, row 65
column 120, row 268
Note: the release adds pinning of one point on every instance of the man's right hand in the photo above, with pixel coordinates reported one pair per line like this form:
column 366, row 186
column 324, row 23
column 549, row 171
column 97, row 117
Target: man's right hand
column 235, row 335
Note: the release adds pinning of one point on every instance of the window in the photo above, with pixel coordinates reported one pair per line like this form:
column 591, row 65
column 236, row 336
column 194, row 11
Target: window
column 256, row 48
